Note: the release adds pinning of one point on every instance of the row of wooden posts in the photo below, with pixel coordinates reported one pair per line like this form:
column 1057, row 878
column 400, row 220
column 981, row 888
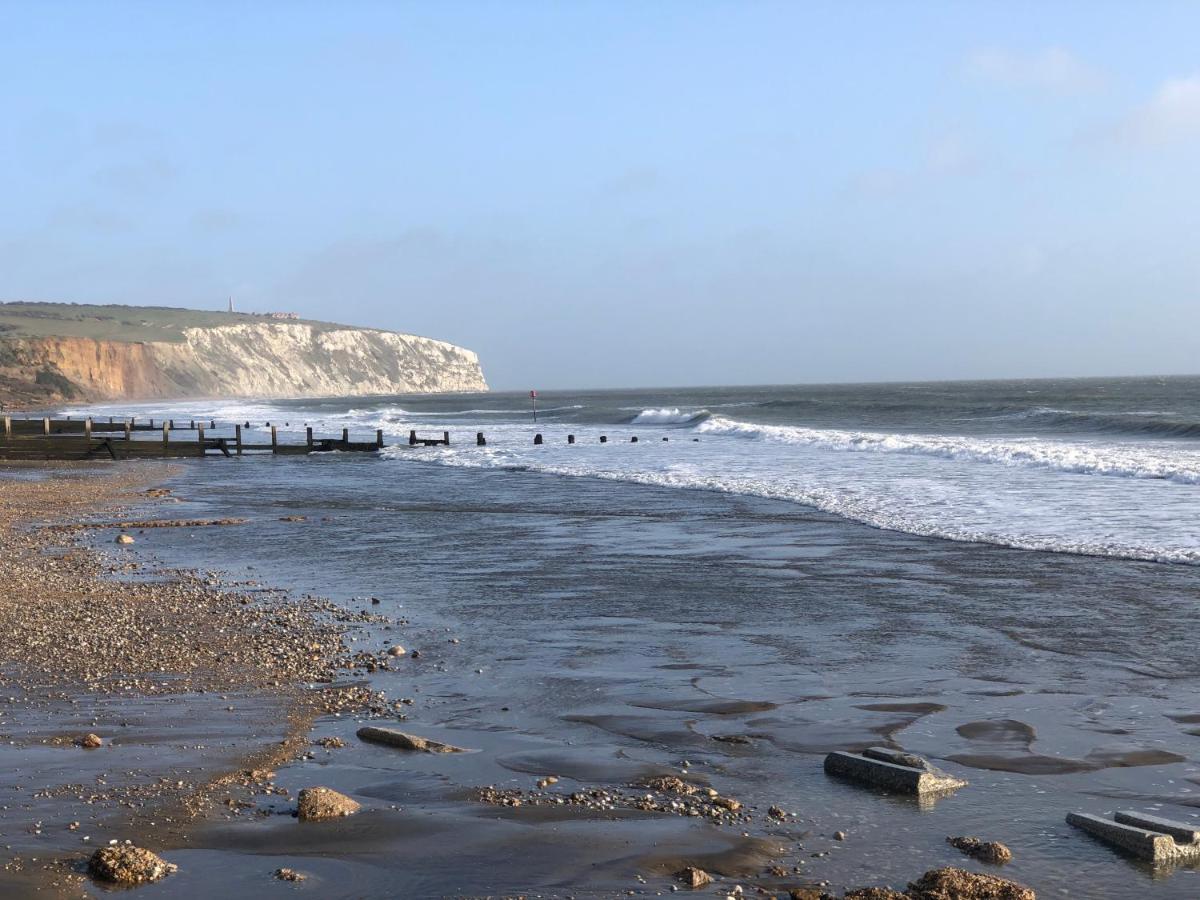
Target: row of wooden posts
column 74, row 439
column 85, row 438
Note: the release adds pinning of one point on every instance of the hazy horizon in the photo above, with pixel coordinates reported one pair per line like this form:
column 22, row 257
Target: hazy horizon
column 616, row 195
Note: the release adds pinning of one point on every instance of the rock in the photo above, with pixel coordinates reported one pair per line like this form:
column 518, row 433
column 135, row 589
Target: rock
column 91, row 741
column 693, row 877
column 776, row 812
column 547, row 781
column 289, row 875
column 404, row 741
column 416, row 654
column 331, row 743
column 124, row 539
column 127, row 864
column 988, row 851
column 958, row 884
column 317, row 803
column 839, row 835
column 396, row 651
column 293, row 518
column 667, row 784
column 875, row 893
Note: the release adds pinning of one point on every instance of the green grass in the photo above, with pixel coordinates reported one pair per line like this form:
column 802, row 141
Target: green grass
column 117, row 323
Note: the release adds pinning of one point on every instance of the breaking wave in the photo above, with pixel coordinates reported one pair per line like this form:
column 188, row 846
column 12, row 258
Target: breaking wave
column 1120, row 461
column 669, row 416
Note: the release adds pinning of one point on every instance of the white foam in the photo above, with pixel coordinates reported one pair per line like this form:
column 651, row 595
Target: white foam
column 672, row 415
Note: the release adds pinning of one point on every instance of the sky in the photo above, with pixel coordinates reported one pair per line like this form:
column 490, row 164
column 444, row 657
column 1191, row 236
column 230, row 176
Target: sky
column 619, row 194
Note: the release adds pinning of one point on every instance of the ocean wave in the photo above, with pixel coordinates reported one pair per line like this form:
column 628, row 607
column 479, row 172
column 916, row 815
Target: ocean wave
column 669, row 416
column 1136, row 423
column 1085, row 459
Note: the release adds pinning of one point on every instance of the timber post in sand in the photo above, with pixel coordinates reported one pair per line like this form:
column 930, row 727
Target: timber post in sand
column 379, row 438
column 480, row 440
column 8, row 428
column 604, row 438
column 166, row 438
column 345, row 436
column 274, row 440
column 237, row 437
column 87, row 428
column 446, row 438
column 537, row 439
column 412, row 438
column 45, row 425
column 570, row 438
column 308, row 436
column 128, row 429
column 200, row 440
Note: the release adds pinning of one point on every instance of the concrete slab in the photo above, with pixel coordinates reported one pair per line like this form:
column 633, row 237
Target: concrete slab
column 921, row 778
column 1153, row 845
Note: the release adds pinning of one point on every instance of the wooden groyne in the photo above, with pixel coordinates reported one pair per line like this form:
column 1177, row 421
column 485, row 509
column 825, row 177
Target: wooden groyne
column 78, row 439
column 47, row 438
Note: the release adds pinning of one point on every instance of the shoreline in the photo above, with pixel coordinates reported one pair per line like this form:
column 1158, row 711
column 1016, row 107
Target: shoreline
column 592, row 832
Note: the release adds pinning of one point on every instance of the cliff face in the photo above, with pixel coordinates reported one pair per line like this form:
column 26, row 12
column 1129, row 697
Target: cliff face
column 260, row 359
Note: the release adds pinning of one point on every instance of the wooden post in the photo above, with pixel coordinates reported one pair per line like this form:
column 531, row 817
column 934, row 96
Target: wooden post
column 666, row 439
column 152, row 424
column 110, row 420
column 87, row 430
column 237, row 436
column 132, row 420
column 537, row 438
column 7, row 427
column 379, row 438
column 46, row 425
column 166, row 438
column 604, row 439
column 212, row 422
column 480, row 440
column 412, row 438
column 446, row 438
column 570, row 438
column 345, row 436
column 308, row 436
column 633, row 440
column 193, row 425
column 274, row 440
column 128, row 426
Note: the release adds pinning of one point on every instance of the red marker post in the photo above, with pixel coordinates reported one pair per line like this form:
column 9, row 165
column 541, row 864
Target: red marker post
column 533, row 400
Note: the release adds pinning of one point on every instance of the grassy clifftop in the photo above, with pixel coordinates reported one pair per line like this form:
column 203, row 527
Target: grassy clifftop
column 116, row 322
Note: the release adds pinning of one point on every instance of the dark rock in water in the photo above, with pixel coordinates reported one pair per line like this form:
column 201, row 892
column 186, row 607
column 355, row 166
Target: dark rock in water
column 988, row 851
column 289, row 875
column 317, row 803
column 875, row 893
column 128, row 865
column 693, row 877
column 404, row 741
column 958, row 884
column 732, row 739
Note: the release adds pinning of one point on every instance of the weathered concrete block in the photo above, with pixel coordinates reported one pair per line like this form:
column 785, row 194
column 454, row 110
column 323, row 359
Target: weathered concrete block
column 920, row 779
column 1181, row 831
column 1158, row 844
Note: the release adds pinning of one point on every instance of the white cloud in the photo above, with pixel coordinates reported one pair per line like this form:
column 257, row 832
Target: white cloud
column 1172, row 114
column 1055, row 70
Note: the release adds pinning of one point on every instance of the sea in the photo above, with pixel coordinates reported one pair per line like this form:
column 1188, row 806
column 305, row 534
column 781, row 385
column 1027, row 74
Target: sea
column 1000, row 576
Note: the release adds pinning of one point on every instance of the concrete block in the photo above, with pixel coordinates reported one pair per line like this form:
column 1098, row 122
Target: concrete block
column 1145, row 843
column 921, row 779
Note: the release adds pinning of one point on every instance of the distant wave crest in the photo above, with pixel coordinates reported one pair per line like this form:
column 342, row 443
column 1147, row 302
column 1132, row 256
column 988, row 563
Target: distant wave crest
column 669, row 415
column 1108, row 460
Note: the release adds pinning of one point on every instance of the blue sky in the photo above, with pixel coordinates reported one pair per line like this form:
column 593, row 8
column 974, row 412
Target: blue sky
column 618, row 194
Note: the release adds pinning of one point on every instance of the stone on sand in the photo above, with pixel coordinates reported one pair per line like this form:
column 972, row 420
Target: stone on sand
column 128, row 865
column 91, row 741
column 317, row 803
column 693, row 877
column 289, row 875
column 396, row 651
column 403, row 741
column 988, row 851
column 124, row 539
column 958, row 884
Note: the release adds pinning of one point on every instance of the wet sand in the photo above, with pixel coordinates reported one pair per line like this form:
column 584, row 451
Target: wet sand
column 604, row 634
